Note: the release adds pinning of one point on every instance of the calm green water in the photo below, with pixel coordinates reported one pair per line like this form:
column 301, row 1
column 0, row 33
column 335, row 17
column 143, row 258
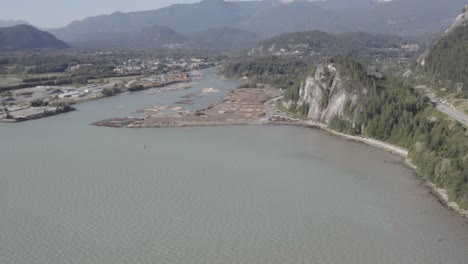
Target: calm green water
column 73, row 193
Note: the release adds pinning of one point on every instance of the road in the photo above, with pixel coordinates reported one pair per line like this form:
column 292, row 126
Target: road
column 448, row 109
column 129, row 84
column 270, row 106
column 452, row 112
column 444, row 108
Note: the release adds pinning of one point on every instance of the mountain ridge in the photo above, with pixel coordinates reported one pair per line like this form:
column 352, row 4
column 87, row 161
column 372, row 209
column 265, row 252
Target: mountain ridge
column 22, row 37
column 216, row 38
column 11, row 23
column 268, row 18
column 318, row 44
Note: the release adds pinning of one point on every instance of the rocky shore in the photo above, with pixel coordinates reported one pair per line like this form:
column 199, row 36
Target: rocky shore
column 440, row 193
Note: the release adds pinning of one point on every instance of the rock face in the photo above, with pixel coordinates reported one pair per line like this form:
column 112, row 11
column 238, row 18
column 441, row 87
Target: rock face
column 461, row 20
column 329, row 93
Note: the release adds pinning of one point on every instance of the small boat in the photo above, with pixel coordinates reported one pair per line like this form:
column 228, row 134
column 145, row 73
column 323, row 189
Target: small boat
column 439, row 239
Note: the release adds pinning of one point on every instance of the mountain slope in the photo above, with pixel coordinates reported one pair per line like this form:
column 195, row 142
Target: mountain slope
column 290, row 17
column 403, row 17
column 149, row 37
column 160, row 37
column 447, row 59
column 157, row 36
column 179, row 17
column 224, row 38
column 27, row 37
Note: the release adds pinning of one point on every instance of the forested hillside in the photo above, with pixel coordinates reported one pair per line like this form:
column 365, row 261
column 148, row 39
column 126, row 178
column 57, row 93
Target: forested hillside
column 396, row 113
column 274, row 71
column 359, row 45
column 447, row 60
column 223, row 38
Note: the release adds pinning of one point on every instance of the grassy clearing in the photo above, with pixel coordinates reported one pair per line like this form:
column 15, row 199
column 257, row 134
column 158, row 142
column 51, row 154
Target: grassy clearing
column 460, row 104
column 7, row 81
column 114, row 79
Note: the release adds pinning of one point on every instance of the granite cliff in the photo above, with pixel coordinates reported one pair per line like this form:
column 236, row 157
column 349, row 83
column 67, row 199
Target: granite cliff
column 335, row 88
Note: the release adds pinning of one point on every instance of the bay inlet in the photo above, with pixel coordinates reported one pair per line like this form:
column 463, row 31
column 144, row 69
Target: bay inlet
column 75, row 193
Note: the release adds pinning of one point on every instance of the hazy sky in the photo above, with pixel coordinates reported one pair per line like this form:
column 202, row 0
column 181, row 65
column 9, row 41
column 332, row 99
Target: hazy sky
column 57, row 13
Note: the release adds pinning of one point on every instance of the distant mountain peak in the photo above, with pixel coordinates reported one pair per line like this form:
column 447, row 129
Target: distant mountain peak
column 23, row 26
column 10, row 23
column 22, row 37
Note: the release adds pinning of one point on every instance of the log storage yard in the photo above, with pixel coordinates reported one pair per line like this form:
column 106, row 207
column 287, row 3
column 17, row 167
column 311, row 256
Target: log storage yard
column 240, row 106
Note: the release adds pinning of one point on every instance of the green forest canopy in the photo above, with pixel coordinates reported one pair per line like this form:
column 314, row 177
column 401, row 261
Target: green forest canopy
column 447, row 60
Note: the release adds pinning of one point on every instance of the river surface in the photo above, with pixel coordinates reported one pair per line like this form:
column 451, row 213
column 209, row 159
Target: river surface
column 78, row 194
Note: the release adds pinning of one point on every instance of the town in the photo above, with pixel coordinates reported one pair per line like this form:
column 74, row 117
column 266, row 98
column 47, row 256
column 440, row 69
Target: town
column 129, row 75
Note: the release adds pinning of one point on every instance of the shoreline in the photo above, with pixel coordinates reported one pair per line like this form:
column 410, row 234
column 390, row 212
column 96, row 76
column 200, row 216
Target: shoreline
column 269, row 115
column 439, row 193
column 41, row 113
column 176, row 84
column 240, row 107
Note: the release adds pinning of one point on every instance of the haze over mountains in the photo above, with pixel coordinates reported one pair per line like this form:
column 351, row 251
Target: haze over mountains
column 220, row 24
column 270, row 17
column 22, row 37
column 224, row 38
column 10, row 23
